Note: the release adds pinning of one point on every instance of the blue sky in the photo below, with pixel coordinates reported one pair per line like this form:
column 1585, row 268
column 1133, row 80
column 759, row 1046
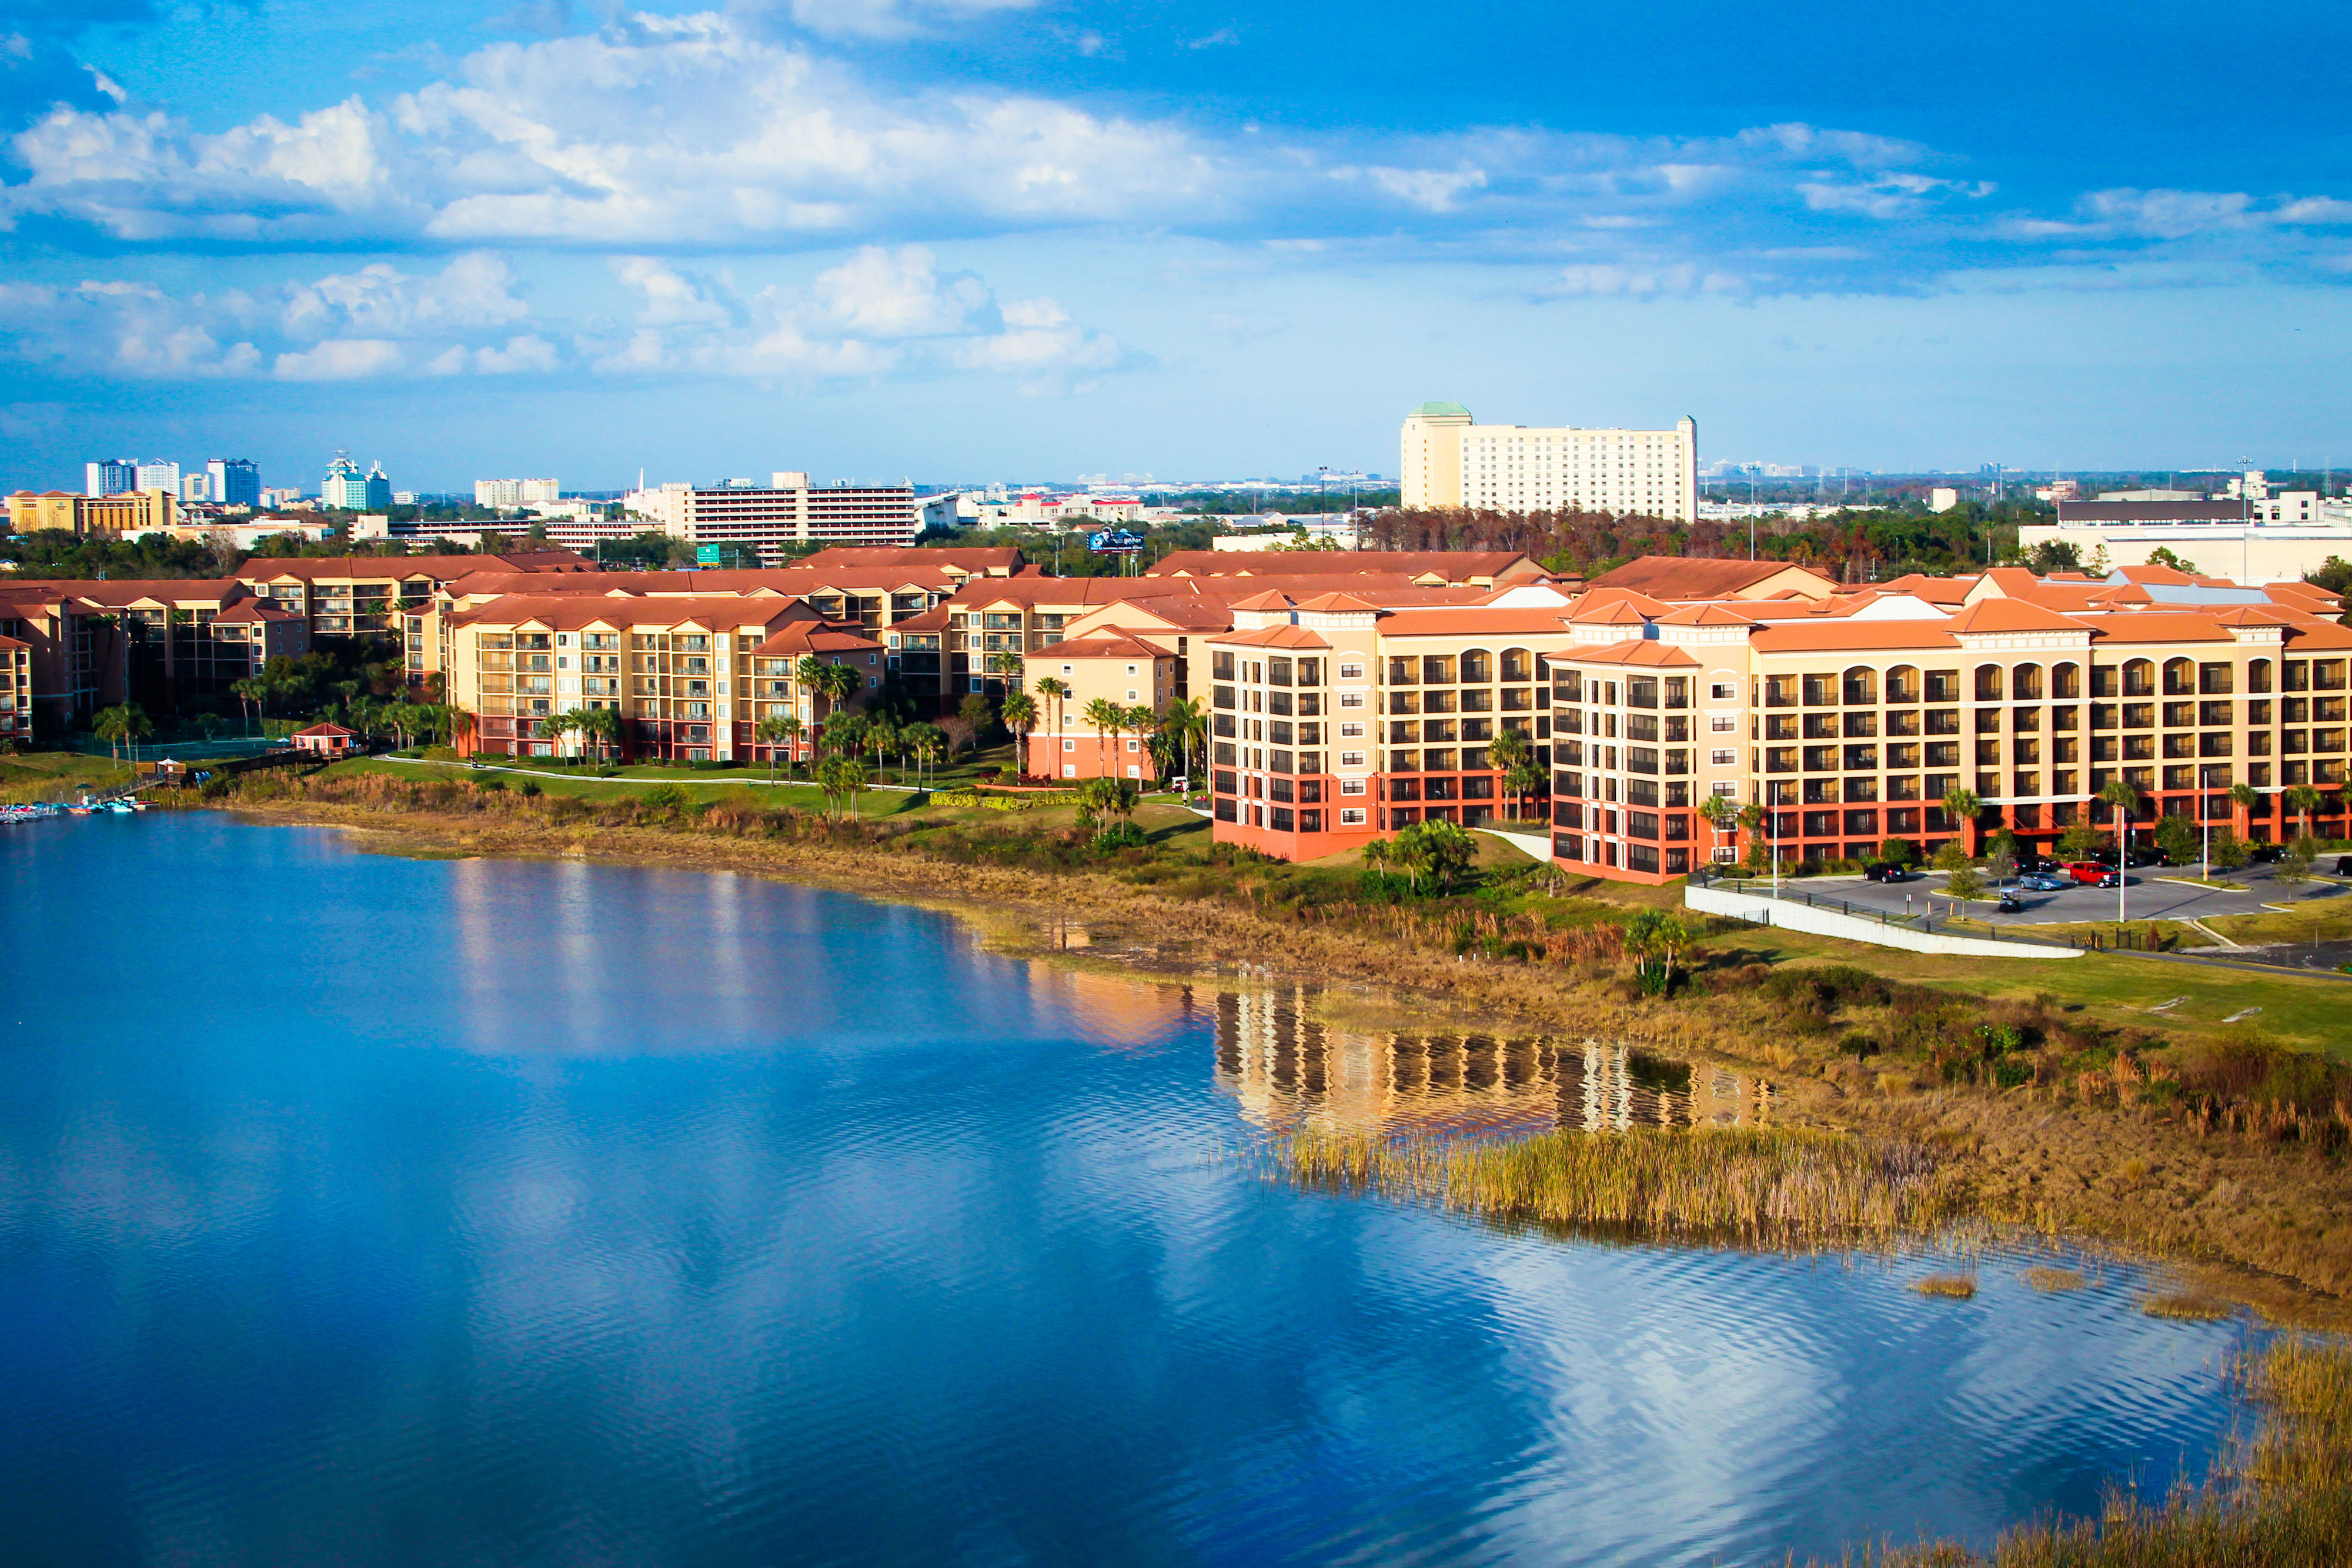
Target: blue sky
column 971, row 239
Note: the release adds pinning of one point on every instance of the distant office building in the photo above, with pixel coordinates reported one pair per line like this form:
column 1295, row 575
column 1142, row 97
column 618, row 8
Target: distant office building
column 1451, row 462
column 1943, row 498
column 2276, row 537
column 109, row 476
column 347, row 489
column 789, row 510
column 157, row 474
column 129, row 513
column 505, row 494
column 291, row 497
column 234, row 481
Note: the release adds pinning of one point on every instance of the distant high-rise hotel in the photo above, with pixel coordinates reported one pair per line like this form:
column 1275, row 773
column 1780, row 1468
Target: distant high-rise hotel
column 234, row 481
column 1452, row 461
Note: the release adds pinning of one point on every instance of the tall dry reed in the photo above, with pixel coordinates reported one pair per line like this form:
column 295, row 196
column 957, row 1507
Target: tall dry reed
column 1762, row 1187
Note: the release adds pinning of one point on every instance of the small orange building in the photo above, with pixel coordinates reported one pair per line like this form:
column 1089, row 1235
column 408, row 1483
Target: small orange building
column 325, row 739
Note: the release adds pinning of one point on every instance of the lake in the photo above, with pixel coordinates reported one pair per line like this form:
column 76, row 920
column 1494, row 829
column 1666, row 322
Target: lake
column 366, row 1210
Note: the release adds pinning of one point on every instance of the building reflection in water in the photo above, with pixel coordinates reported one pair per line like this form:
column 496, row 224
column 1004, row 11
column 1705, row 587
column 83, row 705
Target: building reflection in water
column 1289, row 1069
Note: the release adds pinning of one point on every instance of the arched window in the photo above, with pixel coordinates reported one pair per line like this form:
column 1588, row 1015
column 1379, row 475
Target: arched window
column 1477, row 667
column 2066, row 682
column 2139, row 678
column 2258, row 676
column 2025, row 682
column 2179, row 678
column 1861, row 686
column 1517, row 665
column 1902, row 684
column 1988, row 682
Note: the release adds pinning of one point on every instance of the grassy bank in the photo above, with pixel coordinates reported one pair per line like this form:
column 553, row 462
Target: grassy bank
column 2063, row 1096
column 2282, row 1498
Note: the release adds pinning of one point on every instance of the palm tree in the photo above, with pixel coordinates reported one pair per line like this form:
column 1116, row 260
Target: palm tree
column 1509, row 751
column 1962, row 807
column 880, row 736
column 1719, row 814
column 929, row 743
column 1758, row 823
column 249, row 692
column 1145, row 723
column 601, row 725
column 772, row 731
column 125, row 722
column 1057, row 692
column 2302, row 799
column 554, row 728
column 2243, row 797
column 1186, row 718
column 1020, row 716
column 2124, row 800
column 1104, row 716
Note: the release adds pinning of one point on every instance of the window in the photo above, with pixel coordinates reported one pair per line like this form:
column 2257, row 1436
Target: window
column 1134, row 745
column 1352, row 672
column 1723, row 757
column 1352, row 786
column 1727, row 791
column 1351, row 759
column 1067, row 670
column 1722, row 692
column 1351, row 816
column 1723, row 723
column 1351, row 699
column 1130, row 693
column 1069, row 770
column 1130, row 669
column 1352, row 732
column 1069, row 743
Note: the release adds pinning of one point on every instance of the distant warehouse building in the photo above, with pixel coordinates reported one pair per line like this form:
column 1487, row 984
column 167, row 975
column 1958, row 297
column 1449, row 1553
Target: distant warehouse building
column 789, row 510
column 2258, row 539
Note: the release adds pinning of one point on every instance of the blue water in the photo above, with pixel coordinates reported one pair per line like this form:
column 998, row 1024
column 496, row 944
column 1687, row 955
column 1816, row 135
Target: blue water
column 360, row 1210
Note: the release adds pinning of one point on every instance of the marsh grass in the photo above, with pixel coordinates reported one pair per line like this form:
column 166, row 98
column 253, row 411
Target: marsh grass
column 2281, row 1498
column 1758, row 1186
column 2187, row 1306
column 1957, row 1287
column 2049, row 1280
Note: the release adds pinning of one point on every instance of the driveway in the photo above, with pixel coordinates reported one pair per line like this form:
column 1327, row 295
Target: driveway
column 2148, row 894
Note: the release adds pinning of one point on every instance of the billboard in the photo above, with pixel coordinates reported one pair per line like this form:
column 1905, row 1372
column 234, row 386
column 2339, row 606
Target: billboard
column 1115, row 541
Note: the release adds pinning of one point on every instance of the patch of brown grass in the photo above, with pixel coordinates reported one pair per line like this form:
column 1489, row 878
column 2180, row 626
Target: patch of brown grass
column 1957, row 1287
column 2049, row 1280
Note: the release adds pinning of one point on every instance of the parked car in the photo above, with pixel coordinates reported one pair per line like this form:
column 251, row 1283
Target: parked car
column 2344, row 865
column 2265, row 854
column 1886, row 871
column 2094, row 873
column 2044, row 881
column 2037, row 865
column 2008, row 903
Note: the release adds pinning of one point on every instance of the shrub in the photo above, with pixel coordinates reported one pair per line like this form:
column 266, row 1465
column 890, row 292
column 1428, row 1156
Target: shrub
column 530, row 790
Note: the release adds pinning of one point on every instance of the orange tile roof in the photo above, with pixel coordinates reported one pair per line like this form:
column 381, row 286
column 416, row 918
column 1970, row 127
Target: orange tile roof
column 1335, row 603
column 1639, row 652
column 1102, row 645
column 1697, row 577
column 798, row 637
column 2010, row 615
column 2158, row 626
column 2325, row 635
column 1475, row 623
column 1270, row 600
column 1852, row 636
column 570, row 612
column 1283, row 636
column 1705, row 615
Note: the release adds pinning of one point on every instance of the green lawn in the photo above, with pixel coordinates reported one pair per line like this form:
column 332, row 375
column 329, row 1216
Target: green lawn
column 57, row 775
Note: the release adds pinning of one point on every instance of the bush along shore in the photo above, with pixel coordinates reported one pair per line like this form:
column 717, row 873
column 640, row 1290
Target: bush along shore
column 2064, row 1110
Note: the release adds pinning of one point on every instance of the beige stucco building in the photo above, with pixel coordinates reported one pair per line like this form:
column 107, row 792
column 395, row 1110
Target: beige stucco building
column 1448, row 460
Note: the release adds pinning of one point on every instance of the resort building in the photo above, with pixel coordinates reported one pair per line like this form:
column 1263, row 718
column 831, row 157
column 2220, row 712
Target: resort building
column 328, row 741
column 361, row 596
column 690, row 675
column 30, row 512
column 789, row 510
column 1450, row 462
column 15, row 691
column 127, row 514
column 95, row 643
column 1424, row 569
column 1122, row 672
column 2249, row 539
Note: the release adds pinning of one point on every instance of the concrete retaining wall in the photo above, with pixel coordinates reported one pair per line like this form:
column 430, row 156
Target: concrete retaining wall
column 1536, row 844
column 1798, row 915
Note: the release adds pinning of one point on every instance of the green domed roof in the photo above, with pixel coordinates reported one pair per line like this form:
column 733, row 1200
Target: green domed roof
column 1428, row 409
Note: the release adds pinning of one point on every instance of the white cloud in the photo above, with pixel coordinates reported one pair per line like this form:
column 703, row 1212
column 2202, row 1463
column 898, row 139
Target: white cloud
column 340, row 360
column 473, row 290
column 880, row 312
column 529, row 352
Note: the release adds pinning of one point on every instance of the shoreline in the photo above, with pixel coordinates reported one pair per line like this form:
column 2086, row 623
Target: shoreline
column 2225, row 1216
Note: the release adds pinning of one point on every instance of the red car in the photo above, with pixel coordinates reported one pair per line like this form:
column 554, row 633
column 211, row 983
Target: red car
column 2094, row 873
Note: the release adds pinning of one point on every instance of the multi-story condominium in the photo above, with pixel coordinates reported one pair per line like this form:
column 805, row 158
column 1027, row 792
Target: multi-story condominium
column 1334, row 721
column 1453, row 462
column 788, row 511
column 1848, row 717
column 128, row 513
column 234, row 481
column 506, row 494
column 1422, row 568
column 16, row 690
column 157, row 474
column 691, row 675
column 1124, row 671
column 109, row 476
column 46, row 509
column 1852, row 732
column 346, row 489
column 355, row 596
column 158, row 643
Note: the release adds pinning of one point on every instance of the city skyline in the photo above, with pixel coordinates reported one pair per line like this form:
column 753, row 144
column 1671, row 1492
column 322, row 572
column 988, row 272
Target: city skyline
column 885, row 237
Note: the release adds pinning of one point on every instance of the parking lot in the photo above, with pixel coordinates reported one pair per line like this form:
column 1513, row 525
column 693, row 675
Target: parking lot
column 2149, row 894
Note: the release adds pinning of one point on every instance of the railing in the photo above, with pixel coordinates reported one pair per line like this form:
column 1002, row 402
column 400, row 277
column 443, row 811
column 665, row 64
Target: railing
column 1757, row 887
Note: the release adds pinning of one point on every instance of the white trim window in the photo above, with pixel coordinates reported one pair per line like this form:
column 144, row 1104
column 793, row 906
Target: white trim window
column 1723, row 759
column 1069, row 743
column 1351, row 759
column 1351, row 699
column 1352, row 786
column 1351, row 816
column 1352, row 672
column 1351, row 731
